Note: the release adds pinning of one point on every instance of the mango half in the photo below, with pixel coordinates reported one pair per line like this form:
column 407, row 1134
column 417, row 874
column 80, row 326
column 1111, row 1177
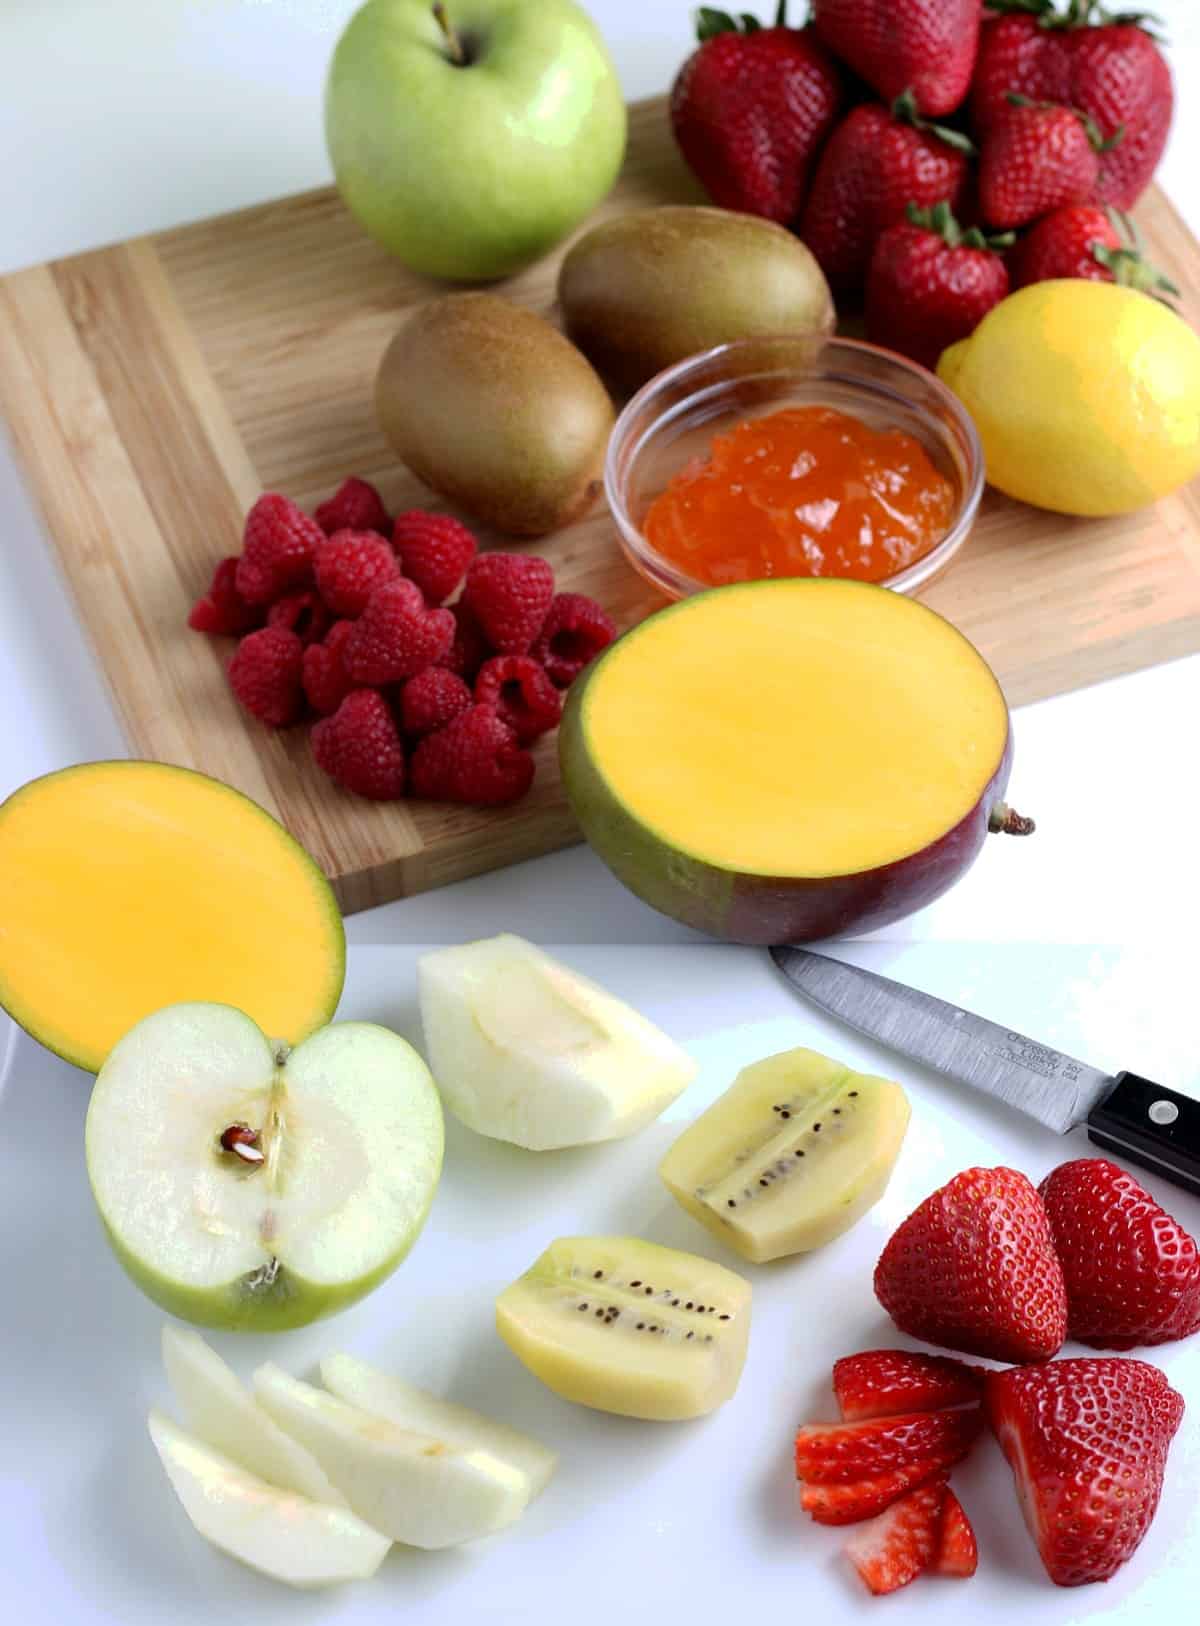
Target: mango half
column 785, row 760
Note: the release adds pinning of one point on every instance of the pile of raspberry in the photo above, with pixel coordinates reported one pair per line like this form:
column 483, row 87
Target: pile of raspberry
column 426, row 667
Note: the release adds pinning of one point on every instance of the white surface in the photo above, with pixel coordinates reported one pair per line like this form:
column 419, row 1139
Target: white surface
column 643, row 1522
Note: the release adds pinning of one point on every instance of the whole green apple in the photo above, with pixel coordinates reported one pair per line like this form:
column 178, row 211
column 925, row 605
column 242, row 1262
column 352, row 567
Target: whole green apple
column 470, row 137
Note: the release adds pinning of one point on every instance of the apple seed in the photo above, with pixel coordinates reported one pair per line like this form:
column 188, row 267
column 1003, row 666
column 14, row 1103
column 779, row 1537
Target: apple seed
column 242, row 1140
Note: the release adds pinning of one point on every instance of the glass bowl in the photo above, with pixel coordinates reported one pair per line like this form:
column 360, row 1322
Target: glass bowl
column 671, row 421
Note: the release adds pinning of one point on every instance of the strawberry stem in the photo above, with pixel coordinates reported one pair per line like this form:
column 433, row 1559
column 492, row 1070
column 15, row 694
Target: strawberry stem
column 781, row 14
column 940, row 220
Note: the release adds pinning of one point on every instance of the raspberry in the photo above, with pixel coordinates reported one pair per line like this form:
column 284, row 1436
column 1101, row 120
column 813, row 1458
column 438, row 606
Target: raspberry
column 264, row 673
column 575, row 630
column 354, row 506
column 359, row 747
column 223, row 609
column 304, row 613
column 521, row 693
column 397, row 635
column 474, row 759
column 350, row 566
column 325, row 680
column 435, row 551
column 510, row 594
column 431, row 700
column 278, row 546
column 470, row 648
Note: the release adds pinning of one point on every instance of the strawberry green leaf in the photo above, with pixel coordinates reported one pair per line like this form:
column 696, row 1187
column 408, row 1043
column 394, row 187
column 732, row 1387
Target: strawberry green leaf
column 710, row 23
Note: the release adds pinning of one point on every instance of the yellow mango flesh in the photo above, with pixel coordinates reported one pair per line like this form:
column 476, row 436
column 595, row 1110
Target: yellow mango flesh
column 795, row 728
column 128, row 886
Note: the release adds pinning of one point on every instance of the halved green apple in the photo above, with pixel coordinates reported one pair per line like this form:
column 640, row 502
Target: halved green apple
column 248, row 1186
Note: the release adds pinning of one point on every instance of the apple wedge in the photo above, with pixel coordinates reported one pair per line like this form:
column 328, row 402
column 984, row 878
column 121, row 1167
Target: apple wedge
column 219, row 1411
column 526, row 1050
column 413, row 1487
column 457, row 1426
column 288, row 1537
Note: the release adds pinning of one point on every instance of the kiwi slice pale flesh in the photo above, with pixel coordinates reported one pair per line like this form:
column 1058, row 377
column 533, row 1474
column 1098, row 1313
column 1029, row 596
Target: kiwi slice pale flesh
column 794, row 1153
column 630, row 1327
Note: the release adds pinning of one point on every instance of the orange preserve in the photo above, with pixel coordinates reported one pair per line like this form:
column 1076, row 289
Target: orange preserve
column 806, row 491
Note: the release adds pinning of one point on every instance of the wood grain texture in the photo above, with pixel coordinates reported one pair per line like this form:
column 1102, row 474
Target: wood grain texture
column 153, row 389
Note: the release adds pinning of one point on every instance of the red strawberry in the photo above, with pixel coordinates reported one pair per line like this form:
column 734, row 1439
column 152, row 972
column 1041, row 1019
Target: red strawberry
column 1110, row 70
column 1132, row 1272
column 396, row 636
column 223, row 609
column 899, row 1543
column 359, row 747
column 470, row 648
column 521, row 694
column 841, row 1453
column 974, row 1268
column 886, row 1382
column 432, row 699
column 350, row 566
column 864, row 1498
column 1038, row 158
column 874, row 165
column 474, row 759
column 750, row 108
column 354, row 506
column 435, row 551
column 304, row 613
column 575, row 630
column 931, row 284
column 279, row 544
column 326, row 681
column 1087, row 1442
column 509, row 594
column 929, row 45
column 1084, row 240
column 958, row 1551
column 264, row 673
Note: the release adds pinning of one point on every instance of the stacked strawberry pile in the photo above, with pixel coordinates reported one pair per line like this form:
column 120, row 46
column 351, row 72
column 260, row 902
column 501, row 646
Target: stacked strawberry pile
column 934, row 153
column 994, row 1267
column 343, row 617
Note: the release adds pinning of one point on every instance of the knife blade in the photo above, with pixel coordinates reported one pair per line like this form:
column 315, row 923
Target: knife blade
column 1123, row 1112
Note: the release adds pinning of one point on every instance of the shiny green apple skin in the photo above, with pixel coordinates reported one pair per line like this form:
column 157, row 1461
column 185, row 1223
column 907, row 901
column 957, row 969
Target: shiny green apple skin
column 472, row 172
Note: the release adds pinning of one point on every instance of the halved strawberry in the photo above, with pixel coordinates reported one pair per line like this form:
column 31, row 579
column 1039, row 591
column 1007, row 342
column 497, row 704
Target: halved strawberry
column 838, row 1453
column 864, row 1498
column 958, row 1551
column 894, row 1548
column 886, row 1382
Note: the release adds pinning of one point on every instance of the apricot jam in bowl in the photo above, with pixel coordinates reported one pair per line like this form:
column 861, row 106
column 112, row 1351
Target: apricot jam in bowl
column 793, row 456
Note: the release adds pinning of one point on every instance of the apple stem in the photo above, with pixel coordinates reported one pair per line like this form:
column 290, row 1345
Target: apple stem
column 1006, row 821
column 457, row 55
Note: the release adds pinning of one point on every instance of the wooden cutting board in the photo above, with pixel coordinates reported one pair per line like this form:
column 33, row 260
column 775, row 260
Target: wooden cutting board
column 154, row 389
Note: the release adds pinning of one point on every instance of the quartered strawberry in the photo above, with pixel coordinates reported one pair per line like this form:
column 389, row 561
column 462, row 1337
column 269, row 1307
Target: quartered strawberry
column 958, row 1551
column 839, row 1453
column 974, row 1268
column 864, row 1498
column 896, row 1546
column 1087, row 1441
column 886, row 1382
column 1132, row 1272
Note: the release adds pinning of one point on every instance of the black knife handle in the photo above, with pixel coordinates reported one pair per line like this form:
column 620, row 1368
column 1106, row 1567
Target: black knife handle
column 1152, row 1126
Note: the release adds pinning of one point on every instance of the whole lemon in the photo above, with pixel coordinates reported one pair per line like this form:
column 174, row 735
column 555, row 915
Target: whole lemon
column 1086, row 396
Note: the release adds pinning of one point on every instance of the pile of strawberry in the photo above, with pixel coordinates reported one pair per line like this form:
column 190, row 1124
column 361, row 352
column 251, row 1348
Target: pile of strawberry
column 344, row 617
column 1048, row 122
column 994, row 1267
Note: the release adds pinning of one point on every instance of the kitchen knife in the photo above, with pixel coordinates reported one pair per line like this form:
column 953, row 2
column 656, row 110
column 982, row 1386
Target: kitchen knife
column 1123, row 1112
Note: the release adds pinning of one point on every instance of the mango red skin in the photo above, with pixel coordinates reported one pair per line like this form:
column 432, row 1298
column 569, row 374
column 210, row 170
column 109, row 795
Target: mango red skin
column 758, row 909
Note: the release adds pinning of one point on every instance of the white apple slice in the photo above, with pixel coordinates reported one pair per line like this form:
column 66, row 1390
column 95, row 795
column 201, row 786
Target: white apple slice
column 339, row 1157
column 219, row 1411
column 288, row 1537
column 526, row 1050
column 413, row 1487
column 401, row 1403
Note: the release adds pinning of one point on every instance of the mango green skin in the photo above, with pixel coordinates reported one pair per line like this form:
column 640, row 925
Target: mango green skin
column 473, row 172
column 744, row 907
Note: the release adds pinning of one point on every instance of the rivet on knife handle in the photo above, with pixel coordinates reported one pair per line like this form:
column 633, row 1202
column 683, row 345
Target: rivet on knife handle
column 1148, row 1124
